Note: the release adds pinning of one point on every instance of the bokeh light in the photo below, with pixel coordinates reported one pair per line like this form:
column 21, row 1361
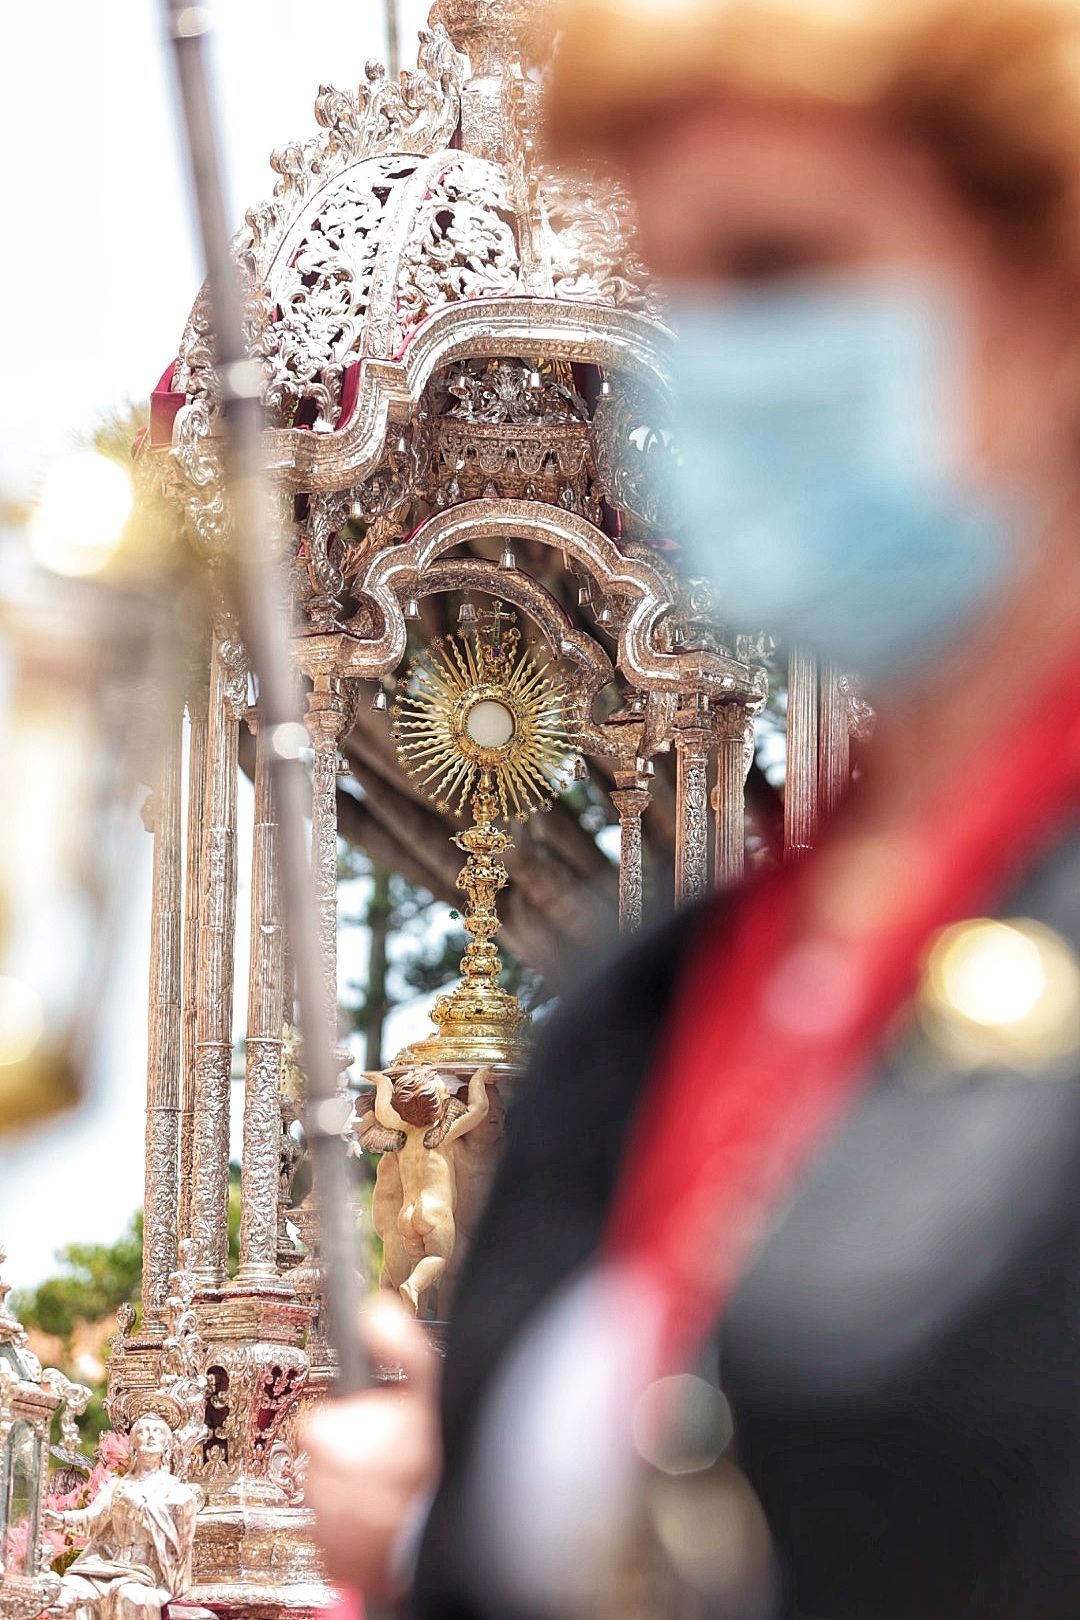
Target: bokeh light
column 1003, row 992
column 85, row 502
column 22, row 1021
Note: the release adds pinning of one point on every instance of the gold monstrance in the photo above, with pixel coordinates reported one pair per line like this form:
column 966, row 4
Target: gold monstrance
column 478, row 715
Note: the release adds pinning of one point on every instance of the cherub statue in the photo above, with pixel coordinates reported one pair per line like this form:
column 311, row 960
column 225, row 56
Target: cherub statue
column 142, row 1527
column 476, row 1158
column 413, row 1124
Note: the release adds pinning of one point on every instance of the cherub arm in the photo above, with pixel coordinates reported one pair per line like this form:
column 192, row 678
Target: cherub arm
column 477, row 1109
column 385, row 1112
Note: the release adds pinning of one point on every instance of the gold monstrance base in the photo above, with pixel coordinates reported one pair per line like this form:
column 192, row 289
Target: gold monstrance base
column 479, row 1022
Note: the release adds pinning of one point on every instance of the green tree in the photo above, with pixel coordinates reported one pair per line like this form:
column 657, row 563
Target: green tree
column 95, row 1279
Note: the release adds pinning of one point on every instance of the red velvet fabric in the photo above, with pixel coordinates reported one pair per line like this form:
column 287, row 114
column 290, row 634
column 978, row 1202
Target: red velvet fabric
column 164, row 404
column 350, row 393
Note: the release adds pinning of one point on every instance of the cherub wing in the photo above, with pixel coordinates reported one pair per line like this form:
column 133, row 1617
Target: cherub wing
column 376, row 1138
column 454, row 1109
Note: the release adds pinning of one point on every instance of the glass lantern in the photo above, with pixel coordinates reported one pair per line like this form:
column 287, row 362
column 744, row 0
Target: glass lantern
column 27, row 1408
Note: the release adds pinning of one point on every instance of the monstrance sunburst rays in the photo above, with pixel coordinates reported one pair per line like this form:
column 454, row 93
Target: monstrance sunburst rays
column 480, row 706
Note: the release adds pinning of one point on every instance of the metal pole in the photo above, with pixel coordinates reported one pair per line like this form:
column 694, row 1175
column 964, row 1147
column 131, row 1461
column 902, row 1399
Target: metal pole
column 256, row 580
column 393, row 53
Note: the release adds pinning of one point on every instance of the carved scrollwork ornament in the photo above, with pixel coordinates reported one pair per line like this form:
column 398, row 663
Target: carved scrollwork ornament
column 634, row 450
column 234, row 658
column 595, row 254
column 417, row 114
column 862, row 716
column 74, row 1399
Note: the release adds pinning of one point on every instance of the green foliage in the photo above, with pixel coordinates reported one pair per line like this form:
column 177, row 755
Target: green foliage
column 431, row 964
column 116, row 431
column 94, row 1421
column 234, row 1218
column 95, row 1280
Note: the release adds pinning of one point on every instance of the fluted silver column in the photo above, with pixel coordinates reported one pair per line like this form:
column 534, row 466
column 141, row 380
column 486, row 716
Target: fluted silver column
column 692, row 809
column 162, row 1186
column 325, row 720
column 261, row 1165
column 198, row 700
column 835, row 766
column 630, row 804
column 214, row 991
column 801, row 790
column 734, row 736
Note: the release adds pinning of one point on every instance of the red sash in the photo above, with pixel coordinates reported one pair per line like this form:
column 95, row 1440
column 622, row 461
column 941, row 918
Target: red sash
column 776, row 1025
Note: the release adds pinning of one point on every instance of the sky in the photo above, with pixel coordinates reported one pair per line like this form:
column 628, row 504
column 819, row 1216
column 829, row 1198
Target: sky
column 100, row 262
column 98, row 275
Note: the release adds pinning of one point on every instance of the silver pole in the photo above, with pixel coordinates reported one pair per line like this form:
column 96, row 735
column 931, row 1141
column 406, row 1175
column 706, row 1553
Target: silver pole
column 393, row 50
column 255, row 581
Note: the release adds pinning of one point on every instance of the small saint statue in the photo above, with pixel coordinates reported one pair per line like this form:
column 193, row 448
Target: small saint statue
column 414, row 1123
column 141, row 1527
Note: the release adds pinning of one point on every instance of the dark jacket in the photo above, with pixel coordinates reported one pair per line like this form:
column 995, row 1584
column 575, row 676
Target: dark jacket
column 902, row 1358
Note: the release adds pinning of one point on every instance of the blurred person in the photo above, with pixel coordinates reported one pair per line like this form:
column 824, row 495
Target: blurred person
column 838, row 1112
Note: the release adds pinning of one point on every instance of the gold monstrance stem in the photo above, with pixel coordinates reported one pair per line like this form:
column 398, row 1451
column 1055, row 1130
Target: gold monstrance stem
column 479, row 1022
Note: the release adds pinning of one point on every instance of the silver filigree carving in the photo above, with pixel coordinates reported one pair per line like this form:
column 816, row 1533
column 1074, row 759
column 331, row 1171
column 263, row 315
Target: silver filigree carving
column 692, row 830
column 461, row 245
column 634, row 450
column 322, row 292
column 508, row 393
column 631, row 804
column 593, row 249
column 863, row 717
column 287, row 1469
column 74, row 1399
column 183, row 1372
column 261, row 1168
column 418, row 114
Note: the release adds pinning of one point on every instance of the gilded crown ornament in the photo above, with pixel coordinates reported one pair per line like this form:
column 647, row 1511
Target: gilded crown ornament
column 480, row 716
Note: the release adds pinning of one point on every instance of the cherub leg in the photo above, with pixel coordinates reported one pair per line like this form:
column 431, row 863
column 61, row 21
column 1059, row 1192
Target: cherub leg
column 424, row 1276
column 412, row 1253
column 433, row 1219
column 385, row 1214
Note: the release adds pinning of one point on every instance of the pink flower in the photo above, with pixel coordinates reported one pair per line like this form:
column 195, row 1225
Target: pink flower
column 63, row 1501
column 55, row 1542
column 114, row 1452
column 18, row 1537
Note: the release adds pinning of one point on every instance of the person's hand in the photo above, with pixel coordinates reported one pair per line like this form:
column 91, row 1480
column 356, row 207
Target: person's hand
column 374, row 1458
column 54, row 1520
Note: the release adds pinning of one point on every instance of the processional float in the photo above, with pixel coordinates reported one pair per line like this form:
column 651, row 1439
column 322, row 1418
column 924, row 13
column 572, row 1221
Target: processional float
column 461, row 361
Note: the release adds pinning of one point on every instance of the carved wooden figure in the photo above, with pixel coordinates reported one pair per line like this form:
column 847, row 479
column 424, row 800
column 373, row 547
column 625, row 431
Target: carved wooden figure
column 142, row 1530
column 414, row 1123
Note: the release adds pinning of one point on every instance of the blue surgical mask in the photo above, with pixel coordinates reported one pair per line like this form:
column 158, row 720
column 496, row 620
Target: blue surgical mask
column 816, row 425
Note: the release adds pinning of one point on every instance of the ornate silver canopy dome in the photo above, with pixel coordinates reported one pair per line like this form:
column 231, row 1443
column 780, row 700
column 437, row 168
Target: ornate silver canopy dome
column 389, row 235
column 457, row 342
